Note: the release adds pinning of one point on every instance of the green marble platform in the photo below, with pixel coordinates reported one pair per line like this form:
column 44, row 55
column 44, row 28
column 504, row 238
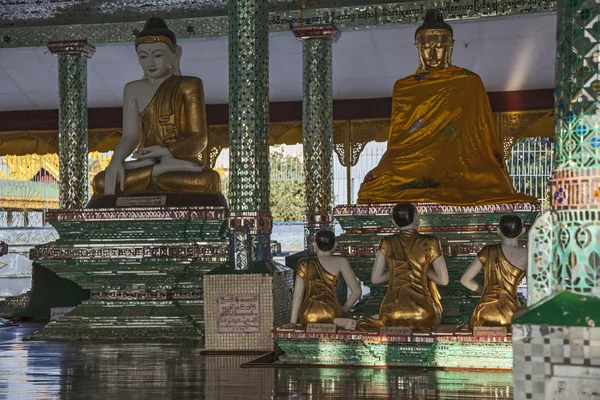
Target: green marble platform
column 424, row 350
column 144, row 269
column 462, row 230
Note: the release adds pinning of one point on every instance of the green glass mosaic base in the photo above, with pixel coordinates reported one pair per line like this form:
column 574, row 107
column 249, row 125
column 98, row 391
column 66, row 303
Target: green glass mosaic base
column 433, row 220
column 130, row 231
column 90, row 321
column 441, row 354
column 145, row 276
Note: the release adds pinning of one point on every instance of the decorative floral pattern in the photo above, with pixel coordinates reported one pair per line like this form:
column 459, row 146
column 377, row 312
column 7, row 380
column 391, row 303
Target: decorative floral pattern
column 560, row 196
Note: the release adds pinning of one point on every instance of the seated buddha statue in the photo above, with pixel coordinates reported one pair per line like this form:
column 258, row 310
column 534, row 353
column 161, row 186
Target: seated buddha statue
column 504, row 266
column 442, row 143
column 403, row 261
column 317, row 277
column 164, row 118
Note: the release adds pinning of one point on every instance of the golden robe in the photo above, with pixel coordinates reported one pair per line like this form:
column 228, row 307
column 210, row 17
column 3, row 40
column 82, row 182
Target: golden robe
column 175, row 119
column 499, row 299
column 442, row 145
column 411, row 299
column 320, row 304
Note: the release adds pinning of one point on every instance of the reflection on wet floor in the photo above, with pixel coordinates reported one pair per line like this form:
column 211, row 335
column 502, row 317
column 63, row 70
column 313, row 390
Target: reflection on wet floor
column 95, row 370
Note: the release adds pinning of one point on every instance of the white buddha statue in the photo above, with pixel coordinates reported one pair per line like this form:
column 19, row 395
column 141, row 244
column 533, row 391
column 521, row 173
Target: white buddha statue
column 164, row 118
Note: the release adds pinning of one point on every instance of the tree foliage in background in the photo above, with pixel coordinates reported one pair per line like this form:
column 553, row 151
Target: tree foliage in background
column 287, row 188
column 287, row 200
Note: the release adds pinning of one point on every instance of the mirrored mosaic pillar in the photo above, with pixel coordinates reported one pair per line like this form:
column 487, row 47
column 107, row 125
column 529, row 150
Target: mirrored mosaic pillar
column 72, row 121
column 576, row 181
column 317, row 127
column 250, row 220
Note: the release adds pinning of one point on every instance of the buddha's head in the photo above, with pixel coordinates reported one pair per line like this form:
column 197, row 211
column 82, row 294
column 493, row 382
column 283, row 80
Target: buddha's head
column 157, row 50
column 405, row 216
column 510, row 227
column 434, row 42
column 325, row 241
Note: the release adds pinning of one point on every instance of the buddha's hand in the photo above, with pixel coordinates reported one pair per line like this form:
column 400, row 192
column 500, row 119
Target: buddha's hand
column 114, row 171
column 152, row 152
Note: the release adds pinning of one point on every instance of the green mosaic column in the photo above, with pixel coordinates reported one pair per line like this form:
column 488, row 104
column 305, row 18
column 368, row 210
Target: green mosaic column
column 251, row 221
column 576, row 181
column 317, row 127
column 72, row 121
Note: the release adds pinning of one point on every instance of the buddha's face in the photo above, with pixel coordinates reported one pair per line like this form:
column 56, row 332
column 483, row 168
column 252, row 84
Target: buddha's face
column 156, row 59
column 435, row 48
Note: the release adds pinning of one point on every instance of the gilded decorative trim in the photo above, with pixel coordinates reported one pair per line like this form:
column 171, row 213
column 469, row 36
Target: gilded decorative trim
column 72, row 48
column 319, row 32
column 155, row 39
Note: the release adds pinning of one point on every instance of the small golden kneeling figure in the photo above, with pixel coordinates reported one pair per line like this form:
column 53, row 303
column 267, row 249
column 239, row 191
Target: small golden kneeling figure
column 315, row 298
column 504, row 266
column 412, row 299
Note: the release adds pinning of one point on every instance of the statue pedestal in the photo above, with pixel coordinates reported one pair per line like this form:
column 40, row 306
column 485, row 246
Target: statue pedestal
column 144, row 268
column 429, row 350
column 556, row 344
column 243, row 306
column 462, row 230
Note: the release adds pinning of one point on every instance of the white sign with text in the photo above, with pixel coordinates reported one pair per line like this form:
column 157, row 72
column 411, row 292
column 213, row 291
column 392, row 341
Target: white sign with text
column 238, row 313
column 142, row 201
column 394, row 330
column 321, row 328
column 489, row 330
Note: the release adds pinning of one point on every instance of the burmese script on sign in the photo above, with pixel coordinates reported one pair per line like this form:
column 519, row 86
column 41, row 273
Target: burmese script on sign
column 238, row 313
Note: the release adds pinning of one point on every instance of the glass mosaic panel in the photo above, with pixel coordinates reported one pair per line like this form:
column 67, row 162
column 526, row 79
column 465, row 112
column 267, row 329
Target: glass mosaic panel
column 73, row 131
column 317, row 136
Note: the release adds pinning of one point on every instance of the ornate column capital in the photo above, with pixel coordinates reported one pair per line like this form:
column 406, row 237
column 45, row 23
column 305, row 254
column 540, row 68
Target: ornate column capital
column 72, row 48
column 317, row 32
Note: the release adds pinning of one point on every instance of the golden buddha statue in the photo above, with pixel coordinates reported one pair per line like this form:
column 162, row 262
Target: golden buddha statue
column 315, row 298
column 412, row 299
column 164, row 117
column 442, row 144
column 504, row 266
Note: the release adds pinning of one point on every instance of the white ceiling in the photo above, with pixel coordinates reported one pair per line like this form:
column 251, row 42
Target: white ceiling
column 509, row 54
